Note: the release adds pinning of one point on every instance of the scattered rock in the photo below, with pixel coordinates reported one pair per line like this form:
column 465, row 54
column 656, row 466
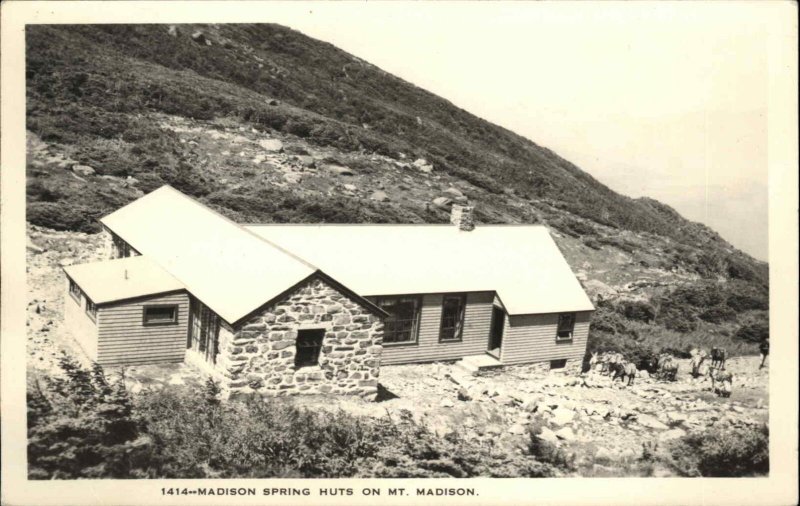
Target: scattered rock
column 83, row 170
column 339, row 170
column 272, row 145
column 422, row 165
column 650, row 422
column 562, row 416
column 379, row 196
column 292, row 177
column 453, row 192
column 671, row 434
column 565, row 433
column 517, row 429
column 200, row 38
column 442, row 202
column 547, row 435
column 307, row 161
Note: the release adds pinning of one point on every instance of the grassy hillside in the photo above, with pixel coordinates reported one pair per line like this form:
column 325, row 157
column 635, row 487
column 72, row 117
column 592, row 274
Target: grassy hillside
column 202, row 107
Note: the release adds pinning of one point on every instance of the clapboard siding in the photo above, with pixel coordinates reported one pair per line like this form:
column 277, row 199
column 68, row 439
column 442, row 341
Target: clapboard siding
column 474, row 339
column 122, row 337
column 79, row 325
column 532, row 338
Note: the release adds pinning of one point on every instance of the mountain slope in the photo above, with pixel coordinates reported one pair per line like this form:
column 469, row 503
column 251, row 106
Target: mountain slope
column 266, row 124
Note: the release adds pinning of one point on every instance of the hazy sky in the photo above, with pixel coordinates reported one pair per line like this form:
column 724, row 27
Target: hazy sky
column 659, row 99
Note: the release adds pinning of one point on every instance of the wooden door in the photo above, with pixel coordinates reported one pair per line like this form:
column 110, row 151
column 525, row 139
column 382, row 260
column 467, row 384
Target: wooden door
column 496, row 331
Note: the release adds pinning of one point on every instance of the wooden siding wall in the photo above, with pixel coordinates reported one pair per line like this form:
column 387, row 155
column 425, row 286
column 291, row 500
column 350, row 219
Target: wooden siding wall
column 474, row 339
column 78, row 323
column 532, row 338
column 123, row 339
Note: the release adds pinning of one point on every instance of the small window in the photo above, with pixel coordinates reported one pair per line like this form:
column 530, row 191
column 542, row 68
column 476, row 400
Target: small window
column 309, row 343
column 160, row 315
column 402, row 324
column 75, row 291
column 91, row 309
column 452, row 317
column 566, row 325
column 558, row 364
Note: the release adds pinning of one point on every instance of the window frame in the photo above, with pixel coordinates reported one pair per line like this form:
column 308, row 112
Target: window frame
column 158, row 323
column 91, row 309
column 415, row 322
column 76, row 294
column 321, row 332
column 560, row 325
column 457, row 336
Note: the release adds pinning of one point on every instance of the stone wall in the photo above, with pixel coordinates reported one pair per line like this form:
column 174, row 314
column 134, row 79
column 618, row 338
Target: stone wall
column 259, row 356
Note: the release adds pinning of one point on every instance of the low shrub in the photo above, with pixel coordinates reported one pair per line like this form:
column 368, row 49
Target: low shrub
column 718, row 452
column 754, row 332
column 85, row 426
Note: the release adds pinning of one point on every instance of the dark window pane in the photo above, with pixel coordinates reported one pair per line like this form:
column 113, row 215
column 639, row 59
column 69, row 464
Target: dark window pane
column 400, row 326
column 309, row 343
column 160, row 314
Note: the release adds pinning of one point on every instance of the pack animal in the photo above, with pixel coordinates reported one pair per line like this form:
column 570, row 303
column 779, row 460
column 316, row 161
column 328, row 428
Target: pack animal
column 668, row 370
column 721, row 382
column 718, row 358
column 624, row 369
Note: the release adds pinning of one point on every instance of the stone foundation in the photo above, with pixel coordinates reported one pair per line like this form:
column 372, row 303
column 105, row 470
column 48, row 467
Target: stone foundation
column 259, row 357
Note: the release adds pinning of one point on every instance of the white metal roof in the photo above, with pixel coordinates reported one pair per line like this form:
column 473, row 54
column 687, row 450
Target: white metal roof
column 520, row 262
column 123, row 278
column 231, row 270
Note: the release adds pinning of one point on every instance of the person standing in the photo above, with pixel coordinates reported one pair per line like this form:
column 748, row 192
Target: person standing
column 764, row 348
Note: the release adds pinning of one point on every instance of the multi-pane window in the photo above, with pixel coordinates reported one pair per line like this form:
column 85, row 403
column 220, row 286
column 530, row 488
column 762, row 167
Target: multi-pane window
column 309, row 343
column 452, row 317
column 566, row 325
column 402, row 324
column 75, row 291
column 91, row 309
column 160, row 315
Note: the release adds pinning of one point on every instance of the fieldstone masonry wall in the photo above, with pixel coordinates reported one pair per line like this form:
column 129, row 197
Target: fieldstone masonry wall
column 259, row 357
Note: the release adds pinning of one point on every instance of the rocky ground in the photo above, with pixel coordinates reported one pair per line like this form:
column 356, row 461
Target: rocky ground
column 605, row 426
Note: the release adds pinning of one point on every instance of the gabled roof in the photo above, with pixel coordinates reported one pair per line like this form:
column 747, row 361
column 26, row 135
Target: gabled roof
column 231, row 270
column 520, row 262
column 123, row 278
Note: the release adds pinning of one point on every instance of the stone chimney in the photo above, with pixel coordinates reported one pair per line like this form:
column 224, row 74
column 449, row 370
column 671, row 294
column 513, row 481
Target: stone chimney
column 462, row 216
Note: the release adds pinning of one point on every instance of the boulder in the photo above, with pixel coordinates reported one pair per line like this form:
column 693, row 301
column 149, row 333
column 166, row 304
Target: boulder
column 423, row 165
column 517, row 429
column 566, row 434
column 446, row 403
column 172, row 30
column 464, row 395
column 200, row 38
column 307, row 161
column 350, row 187
column 292, row 177
column 671, row 434
column 273, row 102
column 562, row 416
column 272, row 145
column 83, row 170
column 547, row 435
column 379, row 196
column 453, row 192
column 650, row 422
column 442, row 202
column 339, row 170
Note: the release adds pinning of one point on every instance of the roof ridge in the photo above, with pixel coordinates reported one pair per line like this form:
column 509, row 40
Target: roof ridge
column 240, row 227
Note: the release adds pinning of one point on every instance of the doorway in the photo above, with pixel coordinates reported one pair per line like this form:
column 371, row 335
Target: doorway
column 496, row 331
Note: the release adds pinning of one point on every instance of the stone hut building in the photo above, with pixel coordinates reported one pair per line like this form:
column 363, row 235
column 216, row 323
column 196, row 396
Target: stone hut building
column 291, row 309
